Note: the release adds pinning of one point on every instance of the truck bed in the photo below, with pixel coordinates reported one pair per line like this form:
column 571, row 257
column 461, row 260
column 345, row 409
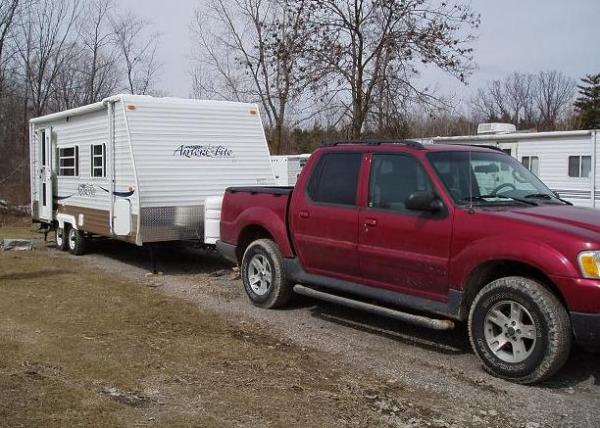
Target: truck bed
column 255, row 206
column 271, row 190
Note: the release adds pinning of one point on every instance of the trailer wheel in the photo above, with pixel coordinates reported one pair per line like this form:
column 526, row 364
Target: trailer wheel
column 263, row 275
column 519, row 330
column 61, row 239
column 76, row 241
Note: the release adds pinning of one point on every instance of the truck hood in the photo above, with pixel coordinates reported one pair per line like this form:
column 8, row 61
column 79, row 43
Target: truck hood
column 583, row 222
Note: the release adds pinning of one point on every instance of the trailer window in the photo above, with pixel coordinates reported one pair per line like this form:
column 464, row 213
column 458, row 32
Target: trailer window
column 68, row 161
column 98, row 160
column 532, row 163
column 580, row 166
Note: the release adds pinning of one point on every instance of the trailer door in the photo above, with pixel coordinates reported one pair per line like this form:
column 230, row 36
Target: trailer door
column 46, row 157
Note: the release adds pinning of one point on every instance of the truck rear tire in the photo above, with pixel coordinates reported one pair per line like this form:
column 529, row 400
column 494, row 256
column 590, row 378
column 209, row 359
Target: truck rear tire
column 76, row 241
column 519, row 330
column 263, row 275
column 60, row 238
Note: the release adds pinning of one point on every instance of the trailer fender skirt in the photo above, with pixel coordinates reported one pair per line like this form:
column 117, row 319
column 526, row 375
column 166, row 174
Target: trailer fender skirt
column 63, row 219
column 423, row 321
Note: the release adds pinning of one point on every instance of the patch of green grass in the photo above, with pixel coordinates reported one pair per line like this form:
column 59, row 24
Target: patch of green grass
column 67, row 333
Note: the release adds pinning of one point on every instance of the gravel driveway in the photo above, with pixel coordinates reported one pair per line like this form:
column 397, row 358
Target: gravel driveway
column 434, row 371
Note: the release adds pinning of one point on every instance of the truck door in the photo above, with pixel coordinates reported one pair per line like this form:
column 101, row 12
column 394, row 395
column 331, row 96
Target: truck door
column 399, row 249
column 324, row 220
column 45, row 174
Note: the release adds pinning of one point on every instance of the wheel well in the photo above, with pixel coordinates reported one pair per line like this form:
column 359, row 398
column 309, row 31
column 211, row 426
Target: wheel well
column 56, row 225
column 248, row 235
column 491, row 271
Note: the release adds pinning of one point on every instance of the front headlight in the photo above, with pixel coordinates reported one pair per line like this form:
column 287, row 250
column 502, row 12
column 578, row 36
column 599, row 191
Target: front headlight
column 589, row 263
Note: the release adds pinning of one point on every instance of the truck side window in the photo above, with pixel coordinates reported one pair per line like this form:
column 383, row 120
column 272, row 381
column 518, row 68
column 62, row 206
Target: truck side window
column 393, row 179
column 335, row 179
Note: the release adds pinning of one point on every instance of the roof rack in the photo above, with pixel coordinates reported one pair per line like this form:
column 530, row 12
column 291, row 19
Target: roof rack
column 483, row 146
column 407, row 143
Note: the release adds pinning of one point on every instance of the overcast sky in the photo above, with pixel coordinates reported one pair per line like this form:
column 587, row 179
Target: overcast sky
column 523, row 35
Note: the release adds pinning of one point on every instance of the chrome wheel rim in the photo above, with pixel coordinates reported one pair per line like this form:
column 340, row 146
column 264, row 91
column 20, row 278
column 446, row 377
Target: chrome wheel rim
column 260, row 275
column 72, row 240
column 510, row 331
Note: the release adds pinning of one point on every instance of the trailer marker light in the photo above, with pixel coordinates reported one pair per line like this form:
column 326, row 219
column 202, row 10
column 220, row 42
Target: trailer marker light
column 253, row 112
column 131, row 107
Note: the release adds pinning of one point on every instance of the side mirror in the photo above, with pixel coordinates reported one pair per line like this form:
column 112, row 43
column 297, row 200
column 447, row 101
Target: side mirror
column 424, row 201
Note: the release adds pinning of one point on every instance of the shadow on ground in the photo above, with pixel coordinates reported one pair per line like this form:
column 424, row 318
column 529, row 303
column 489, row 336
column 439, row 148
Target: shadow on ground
column 43, row 273
column 175, row 259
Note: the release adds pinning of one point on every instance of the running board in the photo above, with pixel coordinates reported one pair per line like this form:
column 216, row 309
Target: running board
column 432, row 323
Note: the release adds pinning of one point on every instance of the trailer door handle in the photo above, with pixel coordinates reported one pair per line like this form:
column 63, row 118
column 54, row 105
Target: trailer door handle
column 370, row 222
column 304, row 214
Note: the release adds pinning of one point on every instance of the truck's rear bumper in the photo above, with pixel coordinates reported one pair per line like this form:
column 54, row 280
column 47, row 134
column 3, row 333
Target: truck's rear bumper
column 586, row 328
column 228, row 251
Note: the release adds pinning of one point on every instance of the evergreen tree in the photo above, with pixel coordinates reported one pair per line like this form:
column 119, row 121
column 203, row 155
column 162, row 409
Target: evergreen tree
column 588, row 102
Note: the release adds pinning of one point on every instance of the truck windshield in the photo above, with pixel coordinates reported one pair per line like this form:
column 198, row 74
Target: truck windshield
column 489, row 178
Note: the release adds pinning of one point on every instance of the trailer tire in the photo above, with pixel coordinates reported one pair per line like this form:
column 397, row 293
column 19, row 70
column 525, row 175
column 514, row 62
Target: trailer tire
column 60, row 238
column 519, row 330
column 264, row 277
column 76, row 241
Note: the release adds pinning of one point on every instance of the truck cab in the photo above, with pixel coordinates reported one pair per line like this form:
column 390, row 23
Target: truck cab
column 429, row 234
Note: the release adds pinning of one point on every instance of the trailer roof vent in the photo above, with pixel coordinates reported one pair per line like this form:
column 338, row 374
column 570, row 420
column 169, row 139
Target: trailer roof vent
column 495, row 128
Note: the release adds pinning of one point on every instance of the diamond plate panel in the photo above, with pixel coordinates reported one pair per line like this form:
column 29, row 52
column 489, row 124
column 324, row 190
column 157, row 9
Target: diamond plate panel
column 158, row 224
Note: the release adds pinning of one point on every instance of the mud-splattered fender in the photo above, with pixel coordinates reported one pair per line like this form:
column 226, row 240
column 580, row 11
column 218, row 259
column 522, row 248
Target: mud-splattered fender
column 535, row 253
column 269, row 220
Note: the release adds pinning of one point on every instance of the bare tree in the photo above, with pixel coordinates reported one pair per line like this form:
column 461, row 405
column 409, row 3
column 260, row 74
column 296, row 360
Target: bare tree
column 68, row 87
column 254, row 49
column 44, row 47
column 526, row 100
column 99, row 53
column 357, row 44
column 553, row 95
column 518, row 88
column 508, row 100
column 137, row 47
column 427, row 122
column 8, row 10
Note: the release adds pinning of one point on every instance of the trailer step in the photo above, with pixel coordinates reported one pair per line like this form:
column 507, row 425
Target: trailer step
column 420, row 320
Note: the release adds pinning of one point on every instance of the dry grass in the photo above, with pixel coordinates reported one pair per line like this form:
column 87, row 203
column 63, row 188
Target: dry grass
column 68, row 333
column 11, row 223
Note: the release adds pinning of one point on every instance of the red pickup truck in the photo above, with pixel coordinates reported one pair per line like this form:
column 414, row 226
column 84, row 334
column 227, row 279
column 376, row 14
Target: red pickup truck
column 433, row 235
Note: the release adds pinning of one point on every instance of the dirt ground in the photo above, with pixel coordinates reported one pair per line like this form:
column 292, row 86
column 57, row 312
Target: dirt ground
column 98, row 341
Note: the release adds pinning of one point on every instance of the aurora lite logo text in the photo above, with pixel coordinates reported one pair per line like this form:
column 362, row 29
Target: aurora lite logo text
column 202, row 151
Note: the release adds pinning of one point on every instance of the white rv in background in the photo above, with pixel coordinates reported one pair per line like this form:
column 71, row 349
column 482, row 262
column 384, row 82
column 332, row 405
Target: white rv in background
column 566, row 161
column 287, row 168
column 143, row 169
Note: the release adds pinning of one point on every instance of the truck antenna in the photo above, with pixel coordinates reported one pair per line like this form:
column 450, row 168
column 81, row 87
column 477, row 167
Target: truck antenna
column 471, row 210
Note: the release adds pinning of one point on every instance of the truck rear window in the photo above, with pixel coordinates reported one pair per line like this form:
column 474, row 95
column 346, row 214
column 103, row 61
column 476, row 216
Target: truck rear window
column 335, row 179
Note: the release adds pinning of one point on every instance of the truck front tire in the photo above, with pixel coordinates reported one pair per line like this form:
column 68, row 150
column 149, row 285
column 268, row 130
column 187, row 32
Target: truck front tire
column 263, row 275
column 519, row 330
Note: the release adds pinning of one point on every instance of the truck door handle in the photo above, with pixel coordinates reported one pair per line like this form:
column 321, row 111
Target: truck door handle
column 304, row 214
column 370, row 222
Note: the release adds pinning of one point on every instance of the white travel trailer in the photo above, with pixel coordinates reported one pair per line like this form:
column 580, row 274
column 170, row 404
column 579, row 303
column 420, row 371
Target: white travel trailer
column 140, row 169
column 566, row 161
column 287, row 168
